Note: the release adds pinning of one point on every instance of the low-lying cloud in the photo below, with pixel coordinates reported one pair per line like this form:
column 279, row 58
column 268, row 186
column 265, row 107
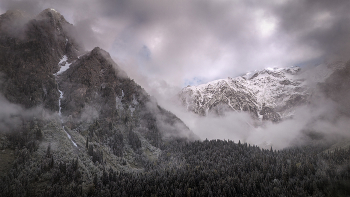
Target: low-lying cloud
column 318, row 121
column 167, row 45
column 9, row 115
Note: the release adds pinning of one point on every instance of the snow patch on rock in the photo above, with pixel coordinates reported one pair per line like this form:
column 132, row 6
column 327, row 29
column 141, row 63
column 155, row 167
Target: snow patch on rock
column 64, row 67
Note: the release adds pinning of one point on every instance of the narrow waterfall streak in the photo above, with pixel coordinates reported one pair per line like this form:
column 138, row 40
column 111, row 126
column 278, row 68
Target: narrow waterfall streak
column 59, row 103
column 70, row 137
column 63, row 69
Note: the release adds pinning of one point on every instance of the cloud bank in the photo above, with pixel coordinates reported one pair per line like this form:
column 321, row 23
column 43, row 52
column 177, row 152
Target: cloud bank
column 166, row 45
column 186, row 42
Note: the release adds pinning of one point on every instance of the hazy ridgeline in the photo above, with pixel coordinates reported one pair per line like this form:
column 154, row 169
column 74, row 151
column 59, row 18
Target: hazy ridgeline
column 93, row 131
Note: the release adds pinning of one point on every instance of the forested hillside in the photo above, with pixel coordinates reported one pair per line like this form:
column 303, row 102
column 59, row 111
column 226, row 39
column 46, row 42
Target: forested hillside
column 73, row 123
column 208, row 168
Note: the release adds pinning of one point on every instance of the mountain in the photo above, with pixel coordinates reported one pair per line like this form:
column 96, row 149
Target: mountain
column 64, row 102
column 267, row 94
column 72, row 123
column 30, row 52
column 337, row 88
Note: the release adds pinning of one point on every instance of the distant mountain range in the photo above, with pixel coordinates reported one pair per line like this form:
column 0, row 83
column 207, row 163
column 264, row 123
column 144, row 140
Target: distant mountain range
column 268, row 94
column 72, row 123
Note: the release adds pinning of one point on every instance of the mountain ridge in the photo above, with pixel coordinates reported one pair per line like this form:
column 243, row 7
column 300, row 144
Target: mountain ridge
column 79, row 126
column 265, row 94
column 86, row 104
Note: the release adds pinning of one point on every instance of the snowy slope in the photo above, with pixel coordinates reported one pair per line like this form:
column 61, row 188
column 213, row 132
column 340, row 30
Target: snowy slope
column 268, row 94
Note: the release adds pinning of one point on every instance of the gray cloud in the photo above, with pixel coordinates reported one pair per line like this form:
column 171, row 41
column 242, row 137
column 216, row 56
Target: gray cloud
column 9, row 115
column 320, row 25
column 206, row 39
column 318, row 122
column 165, row 45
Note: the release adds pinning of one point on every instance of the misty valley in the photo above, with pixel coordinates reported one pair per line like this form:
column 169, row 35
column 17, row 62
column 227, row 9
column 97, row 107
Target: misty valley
column 73, row 123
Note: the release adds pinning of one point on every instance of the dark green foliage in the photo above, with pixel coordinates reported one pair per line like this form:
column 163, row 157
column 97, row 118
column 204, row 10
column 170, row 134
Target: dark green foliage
column 223, row 168
column 134, row 140
column 153, row 134
column 117, row 144
column 48, row 151
column 60, row 179
column 39, row 134
column 97, row 156
column 208, row 168
column 91, row 150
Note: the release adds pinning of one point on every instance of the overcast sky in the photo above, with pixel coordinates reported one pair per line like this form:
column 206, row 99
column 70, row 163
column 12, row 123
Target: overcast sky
column 185, row 42
column 166, row 45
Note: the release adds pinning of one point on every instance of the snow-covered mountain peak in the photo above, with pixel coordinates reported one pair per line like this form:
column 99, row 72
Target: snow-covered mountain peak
column 267, row 94
column 277, row 72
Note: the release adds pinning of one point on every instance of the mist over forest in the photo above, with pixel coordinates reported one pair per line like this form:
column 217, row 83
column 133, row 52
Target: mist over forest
column 187, row 98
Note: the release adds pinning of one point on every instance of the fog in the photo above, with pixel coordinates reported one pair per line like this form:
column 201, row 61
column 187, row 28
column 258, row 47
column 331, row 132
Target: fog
column 316, row 122
column 8, row 114
column 166, row 46
column 192, row 42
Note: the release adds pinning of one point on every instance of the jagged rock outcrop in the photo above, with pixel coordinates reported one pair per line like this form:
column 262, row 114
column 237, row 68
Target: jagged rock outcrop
column 268, row 113
column 94, row 83
column 95, row 79
column 218, row 97
column 269, row 94
column 31, row 63
column 30, row 50
column 102, row 113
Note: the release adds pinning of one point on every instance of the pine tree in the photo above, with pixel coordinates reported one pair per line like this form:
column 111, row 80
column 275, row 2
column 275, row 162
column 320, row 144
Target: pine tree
column 48, row 151
column 87, row 142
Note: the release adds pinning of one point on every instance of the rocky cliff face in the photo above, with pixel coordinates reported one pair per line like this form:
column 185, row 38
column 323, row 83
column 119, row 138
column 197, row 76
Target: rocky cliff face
column 30, row 50
column 98, row 113
column 269, row 94
column 337, row 88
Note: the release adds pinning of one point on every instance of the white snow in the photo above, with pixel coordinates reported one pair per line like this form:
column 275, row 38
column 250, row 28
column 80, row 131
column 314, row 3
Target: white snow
column 65, row 66
column 59, row 102
column 270, row 86
column 62, row 69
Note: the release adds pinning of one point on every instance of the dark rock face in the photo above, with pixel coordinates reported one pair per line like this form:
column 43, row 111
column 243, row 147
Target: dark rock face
column 94, row 78
column 337, row 88
column 29, row 57
column 270, row 114
column 93, row 88
column 94, row 82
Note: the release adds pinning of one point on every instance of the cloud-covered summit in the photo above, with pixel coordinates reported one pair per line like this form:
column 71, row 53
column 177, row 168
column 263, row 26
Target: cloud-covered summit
column 166, row 45
column 187, row 40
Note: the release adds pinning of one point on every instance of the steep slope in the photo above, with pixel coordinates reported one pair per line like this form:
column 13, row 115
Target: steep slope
column 268, row 94
column 94, row 87
column 30, row 50
column 337, row 88
column 98, row 133
column 89, row 108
